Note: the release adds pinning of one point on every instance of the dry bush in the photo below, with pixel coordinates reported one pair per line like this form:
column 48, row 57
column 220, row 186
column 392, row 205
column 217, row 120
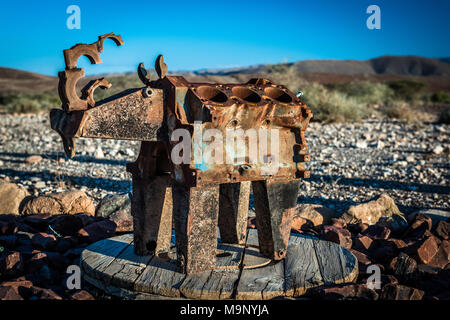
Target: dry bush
column 399, row 109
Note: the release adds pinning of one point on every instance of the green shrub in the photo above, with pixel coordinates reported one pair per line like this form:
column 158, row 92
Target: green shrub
column 440, row 97
column 332, row 106
column 444, row 116
column 407, row 89
column 365, row 91
column 29, row 103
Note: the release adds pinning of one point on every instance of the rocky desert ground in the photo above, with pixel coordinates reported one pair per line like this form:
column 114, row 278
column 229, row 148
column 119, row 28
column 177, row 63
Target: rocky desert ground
column 52, row 207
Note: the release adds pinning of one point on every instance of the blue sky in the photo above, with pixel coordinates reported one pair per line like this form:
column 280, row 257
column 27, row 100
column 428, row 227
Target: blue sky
column 194, row 35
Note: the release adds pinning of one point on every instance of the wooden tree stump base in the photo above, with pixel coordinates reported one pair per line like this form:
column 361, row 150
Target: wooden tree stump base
column 241, row 271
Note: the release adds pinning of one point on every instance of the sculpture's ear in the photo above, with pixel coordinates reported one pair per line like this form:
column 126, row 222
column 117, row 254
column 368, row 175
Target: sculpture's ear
column 160, row 66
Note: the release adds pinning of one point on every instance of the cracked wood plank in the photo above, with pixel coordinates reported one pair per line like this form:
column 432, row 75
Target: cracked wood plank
column 126, row 268
column 336, row 264
column 160, row 277
column 112, row 266
column 210, row 285
column 301, row 266
column 261, row 283
column 99, row 255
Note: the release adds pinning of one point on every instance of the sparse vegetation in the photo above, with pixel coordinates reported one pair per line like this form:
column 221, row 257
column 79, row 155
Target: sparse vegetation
column 28, row 103
column 408, row 90
column 333, row 102
column 440, row 97
column 332, row 105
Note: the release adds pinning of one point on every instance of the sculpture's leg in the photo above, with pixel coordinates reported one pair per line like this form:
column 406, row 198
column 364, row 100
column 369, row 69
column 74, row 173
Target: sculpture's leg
column 233, row 211
column 274, row 203
column 151, row 207
column 195, row 217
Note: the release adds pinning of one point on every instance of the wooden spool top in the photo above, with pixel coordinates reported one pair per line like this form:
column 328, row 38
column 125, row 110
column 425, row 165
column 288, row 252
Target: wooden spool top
column 112, row 266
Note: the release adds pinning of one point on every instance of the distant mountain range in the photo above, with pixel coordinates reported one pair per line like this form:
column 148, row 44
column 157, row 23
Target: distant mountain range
column 398, row 65
column 434, row 71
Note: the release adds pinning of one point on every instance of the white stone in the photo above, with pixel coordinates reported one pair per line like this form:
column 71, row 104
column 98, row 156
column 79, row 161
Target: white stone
column 40, row 185
column 129, row 152
column 438, row 149
column 361, row 144
column 99, row 153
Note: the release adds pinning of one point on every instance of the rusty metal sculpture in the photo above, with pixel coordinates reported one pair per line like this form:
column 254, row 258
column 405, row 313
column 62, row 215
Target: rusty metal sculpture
column 196, row 198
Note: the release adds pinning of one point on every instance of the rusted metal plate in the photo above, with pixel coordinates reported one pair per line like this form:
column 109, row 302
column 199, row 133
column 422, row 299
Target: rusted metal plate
column 274, row 203
column 127, row 117
column 195, row 217
column 151, row 206
column 233, row 211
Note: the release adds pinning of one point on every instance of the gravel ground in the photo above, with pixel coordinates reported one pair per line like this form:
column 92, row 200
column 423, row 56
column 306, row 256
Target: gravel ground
column 350, row 163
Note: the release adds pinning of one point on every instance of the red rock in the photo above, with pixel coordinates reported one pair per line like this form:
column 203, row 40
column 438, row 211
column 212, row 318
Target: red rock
column 340, row 236
column 363, row 260
column 17, row 284
column 82, row 295
column 44, row 241
column 403, row 266
column 388, row 279
column 442, row 229
column 9, row 241
column 427, row 271
column 11, row 264
column 43, row 293
column 338, row 223
column 442, row 256
column 398, row 244
column 9, row 293
column 58, row 261
column 8, row 227
column 67, row 225
column 377, row 232
column 41, row 274
column 426, row 250
column 418, row 226
column 308, row 228
column 363, row 243
column 66, row 243
column 361, row 257
column 38, row 222
column 36, row 262
column 357, row 228
column 384, row 253
column 345, row 291
column 400, row 292
column 98, row 230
